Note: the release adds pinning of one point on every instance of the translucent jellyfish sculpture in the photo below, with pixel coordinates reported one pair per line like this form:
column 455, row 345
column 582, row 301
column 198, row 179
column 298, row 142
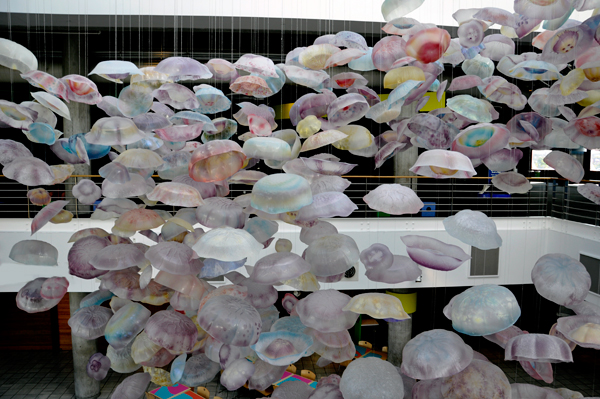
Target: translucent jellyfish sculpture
column 29, row 171
column 132, row 387
column 212, row 100
column 264, row 375
column 136, row 219
column 347, row 80
column 126, row 323
column 53, row 103
column 497, row 46
column 86, row 191
column 323, row 311
column 279, row 266
column 484, row 309
column 11, row 150
column 583, row 330
column 386, row 51
column 378, row 306
column 172, row 331
column 393, row 199
column 584, row 131
column 522, row 391
column 176, row 194
column 590, row 191
column 269, row 148
column 17, row 57
column 331, row 255
column 30, row 300
column 236, row 374
column 136, row 186
column 281, row 192
column 371, row 376
column 251, row 86
column 41, row 133
column 347, row 109
column 54, row 288
column 34, row 252
column 176, row 96
column 538, row 348
column 227, row 244
column 216, row 161
column 46, row 214
column 282, row 348
column 326, row 205
column 114, row 131
column 428, row 45
column 402, row 269
column 561, row 279
column 97, row 366
column 565, row 165
column 174, row 257
column 199, row 370
column 81, row 89
column 435, row 354
column 470, row 107
column 479, row 66
column 183, row 68
column 481, row 379
column 47, row 82
column 430, row 132
column 512, row 183
column 503, row 160
column 533, row 70
column 89, row 322
column 115, row 70
column 230, row 320
column 473, row 228
column 322, row 139
column 442, row 164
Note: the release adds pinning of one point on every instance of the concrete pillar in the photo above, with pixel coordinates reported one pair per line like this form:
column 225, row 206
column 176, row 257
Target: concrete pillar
column 85, row 387
column 404, row 160
column 74, row 57
column 399, row 333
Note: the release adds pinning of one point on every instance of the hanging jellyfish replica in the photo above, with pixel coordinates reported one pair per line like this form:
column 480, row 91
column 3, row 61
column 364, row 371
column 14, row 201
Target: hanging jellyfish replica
column 163, row 139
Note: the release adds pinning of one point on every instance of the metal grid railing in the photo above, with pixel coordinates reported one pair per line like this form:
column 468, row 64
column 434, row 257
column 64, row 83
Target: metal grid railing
column 548, row 197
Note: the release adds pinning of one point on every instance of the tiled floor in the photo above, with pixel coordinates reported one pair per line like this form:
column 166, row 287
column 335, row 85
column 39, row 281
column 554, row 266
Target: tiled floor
column 49, row 375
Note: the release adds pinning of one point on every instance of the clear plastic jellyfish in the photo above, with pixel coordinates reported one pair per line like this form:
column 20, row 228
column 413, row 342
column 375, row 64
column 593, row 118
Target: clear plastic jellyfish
column 442, row 164
column 503, row 160
column 231, row 320
column 282, row 348
column 512, row 183
column 315, row 57
column 227, row 244
column 114, row 131
column 29, row 171
column 371, row 376
column 183, row 68
column 295, row 389
column 259, row 295
column 322, row 139
column 480, row 379
column 135, row 99
column 41, row 133
column 216, row 161
column 279, row 266
column 278, row 193
column 471, row 33
column 214, row 268
column 54, row 288
column 46, row 214
column 584, row 131
column 176, row 194
column 17, row 57
column 346, row 109
column 473, row 228
column 583, row 330
column 326, row 205
column 172, row 331
column 378, row 306
column 86, row 191
column 386, row 51
column 16, row 116
column 256, row 64
column 132, row 387
column 82, row 252
column 143, row 349
column 237, row 374
column 125, row 284
column 530, row 70
column 63, row 216
column 565, row 165
column 347, row 80
column 470, row 107
column 561, row 279
column 30, row 300
column 139, row 158
column 590, row 191
column 377, row 256
column 358, row 138
column 402, row 269
column 538, row 347
column 406, row 76
column 97, row 366
column 483, row 310
column 174, row 257
column 199, row 370
column 81, row 89
column 90, row 322
column 53, row 103
column 428, row 45
column 11, row 150
column 478, row 66
column 331, row 255
column 135, row 187
column 264, row 375
column 34, row 252
column 115, row 70
column 522, row 391
column 47, row 82
column 320, row 229
column 435, row 354
column 328, row 184
column 211, row 99
column 176, row 96
column 497, row 46
column 393, row 199
column 567, row 44
column 497, row 89
column 126, row 323
column 323, row 311
column 136, row 219
column 251, row 86
column 261, row 229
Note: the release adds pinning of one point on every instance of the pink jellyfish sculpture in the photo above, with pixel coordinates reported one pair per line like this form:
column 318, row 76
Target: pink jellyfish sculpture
column 86, row 191
column 561, row 279
column 322, row 310
column 371, row 376
column 98, row 366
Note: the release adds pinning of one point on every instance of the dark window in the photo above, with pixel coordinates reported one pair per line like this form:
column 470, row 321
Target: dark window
column 593, row 267
column 484, row 263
